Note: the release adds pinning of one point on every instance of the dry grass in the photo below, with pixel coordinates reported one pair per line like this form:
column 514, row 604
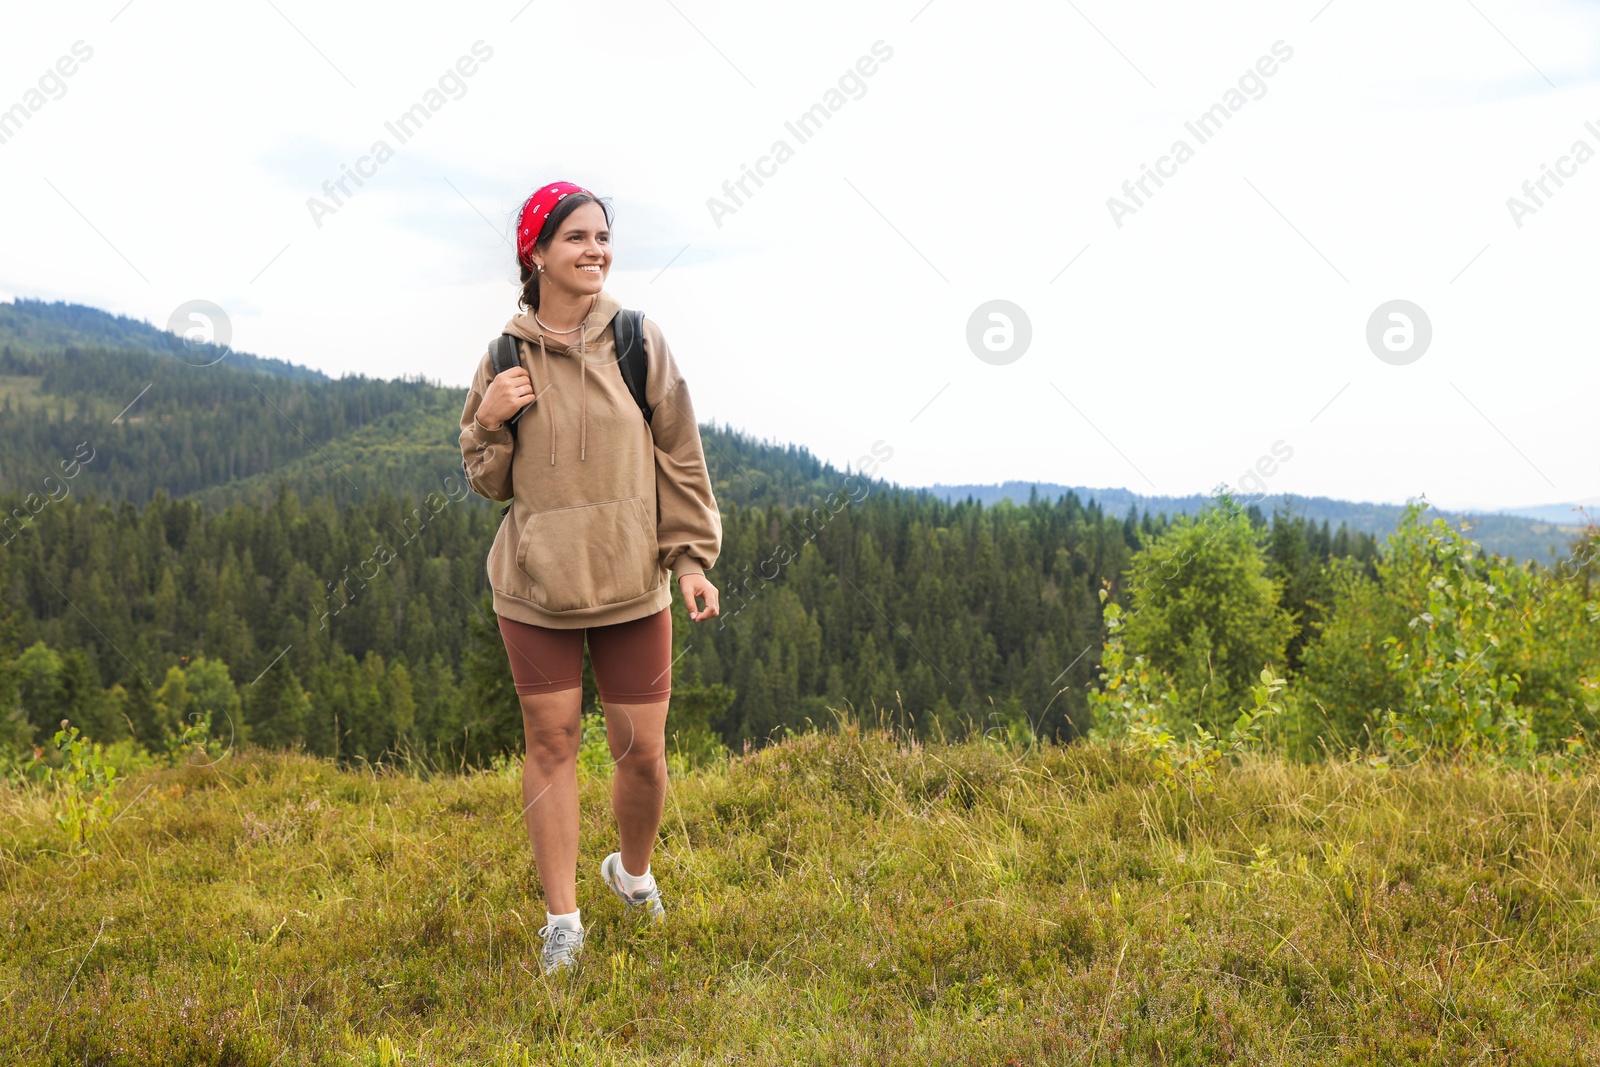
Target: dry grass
column 834, row 899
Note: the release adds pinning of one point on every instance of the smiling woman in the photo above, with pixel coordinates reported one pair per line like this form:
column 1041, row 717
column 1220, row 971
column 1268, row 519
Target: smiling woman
column 588, row 545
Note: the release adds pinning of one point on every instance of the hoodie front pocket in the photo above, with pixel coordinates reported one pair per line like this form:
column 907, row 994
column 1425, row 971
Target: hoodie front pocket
column 588, row 555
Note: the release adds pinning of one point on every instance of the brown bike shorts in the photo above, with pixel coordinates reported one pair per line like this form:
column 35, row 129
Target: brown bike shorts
column 632, row 660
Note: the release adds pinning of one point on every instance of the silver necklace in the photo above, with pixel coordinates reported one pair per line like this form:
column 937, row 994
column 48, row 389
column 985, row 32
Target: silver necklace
column 541, row 322
column 576, row 328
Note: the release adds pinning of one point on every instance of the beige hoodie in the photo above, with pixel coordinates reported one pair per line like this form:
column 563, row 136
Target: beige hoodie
column 603, row 504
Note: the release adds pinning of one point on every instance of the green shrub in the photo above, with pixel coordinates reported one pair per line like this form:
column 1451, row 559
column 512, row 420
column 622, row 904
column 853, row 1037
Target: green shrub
column 1135, row 705
column 1202, row 609
column 80, row 779
column 1453, row 651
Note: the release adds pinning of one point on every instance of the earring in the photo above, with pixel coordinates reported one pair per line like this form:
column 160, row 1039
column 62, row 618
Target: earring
column 541, row 268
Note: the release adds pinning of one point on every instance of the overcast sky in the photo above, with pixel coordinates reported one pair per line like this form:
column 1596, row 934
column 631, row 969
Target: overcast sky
column 1356, row 153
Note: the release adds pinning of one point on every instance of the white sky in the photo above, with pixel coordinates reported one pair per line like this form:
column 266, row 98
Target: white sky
column 831, row 309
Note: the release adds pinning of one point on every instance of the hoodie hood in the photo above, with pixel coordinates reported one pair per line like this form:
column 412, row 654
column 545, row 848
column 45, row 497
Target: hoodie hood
column 595, row 326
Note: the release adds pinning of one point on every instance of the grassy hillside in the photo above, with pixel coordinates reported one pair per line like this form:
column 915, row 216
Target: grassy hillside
column 833, row 899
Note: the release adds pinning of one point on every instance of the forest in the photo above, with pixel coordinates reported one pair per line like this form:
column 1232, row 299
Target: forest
column 296, row 562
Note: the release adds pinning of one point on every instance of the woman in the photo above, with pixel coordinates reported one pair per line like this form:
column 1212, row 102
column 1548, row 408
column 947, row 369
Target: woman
column 586, row 547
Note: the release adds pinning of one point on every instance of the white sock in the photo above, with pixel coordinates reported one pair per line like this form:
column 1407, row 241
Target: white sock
column 569, row 920
column 632, row 883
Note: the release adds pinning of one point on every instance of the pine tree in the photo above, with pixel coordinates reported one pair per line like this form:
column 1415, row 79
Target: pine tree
column 276, row 707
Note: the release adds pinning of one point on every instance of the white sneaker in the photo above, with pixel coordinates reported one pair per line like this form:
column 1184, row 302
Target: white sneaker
column 642, row 902
column 561, row 947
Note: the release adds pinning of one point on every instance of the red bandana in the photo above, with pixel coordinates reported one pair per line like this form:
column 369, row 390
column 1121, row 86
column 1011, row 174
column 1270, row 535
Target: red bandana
column 535, row 211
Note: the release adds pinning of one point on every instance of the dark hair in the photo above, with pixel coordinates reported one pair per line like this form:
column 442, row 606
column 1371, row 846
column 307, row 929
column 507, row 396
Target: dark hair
column 529, row 298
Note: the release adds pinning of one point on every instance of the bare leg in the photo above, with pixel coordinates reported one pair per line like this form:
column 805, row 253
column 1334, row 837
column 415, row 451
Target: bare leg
column 636, row 735
column 552, row 730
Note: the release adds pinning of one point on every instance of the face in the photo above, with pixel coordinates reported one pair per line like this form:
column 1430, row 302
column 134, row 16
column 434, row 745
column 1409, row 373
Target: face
column 579, row 256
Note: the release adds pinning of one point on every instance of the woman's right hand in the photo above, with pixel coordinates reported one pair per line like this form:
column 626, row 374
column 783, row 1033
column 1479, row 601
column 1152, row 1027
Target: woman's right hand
column 508, row 393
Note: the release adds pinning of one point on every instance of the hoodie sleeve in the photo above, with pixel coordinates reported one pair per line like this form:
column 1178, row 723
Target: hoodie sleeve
column 688, row 524
column 485, row 454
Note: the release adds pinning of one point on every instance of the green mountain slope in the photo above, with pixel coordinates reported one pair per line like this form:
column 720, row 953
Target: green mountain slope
column 74, row 380
column 411, row 451
column 417, row 451
column 151, row 422
column 37, row 324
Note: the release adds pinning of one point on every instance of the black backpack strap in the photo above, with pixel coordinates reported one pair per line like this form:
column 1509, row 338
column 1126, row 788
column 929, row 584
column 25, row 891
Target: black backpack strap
column 503, row 353
column 627, row 331
column 503, row 356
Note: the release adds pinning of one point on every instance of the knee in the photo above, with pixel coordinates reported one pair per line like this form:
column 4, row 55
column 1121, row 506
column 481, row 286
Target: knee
column 647, row 759
column 552, row 748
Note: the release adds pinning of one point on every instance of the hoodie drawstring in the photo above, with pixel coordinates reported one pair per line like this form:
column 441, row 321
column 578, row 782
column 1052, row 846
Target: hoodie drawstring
column 583, row 390
column 544, row 359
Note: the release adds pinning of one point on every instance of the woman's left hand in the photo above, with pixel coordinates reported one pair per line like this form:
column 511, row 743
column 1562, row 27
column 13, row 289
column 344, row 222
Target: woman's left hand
column 696, row 585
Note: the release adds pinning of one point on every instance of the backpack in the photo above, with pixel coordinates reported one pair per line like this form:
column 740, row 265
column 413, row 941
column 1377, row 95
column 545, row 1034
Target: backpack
column 627, row 329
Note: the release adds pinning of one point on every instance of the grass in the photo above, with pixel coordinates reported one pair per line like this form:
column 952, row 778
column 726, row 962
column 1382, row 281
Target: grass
column 838, row 898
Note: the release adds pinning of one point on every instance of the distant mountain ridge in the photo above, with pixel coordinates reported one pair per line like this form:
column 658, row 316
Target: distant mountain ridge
column 41, row 324
column 1573, row 514
column 1526, row 534
column 69, row 372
